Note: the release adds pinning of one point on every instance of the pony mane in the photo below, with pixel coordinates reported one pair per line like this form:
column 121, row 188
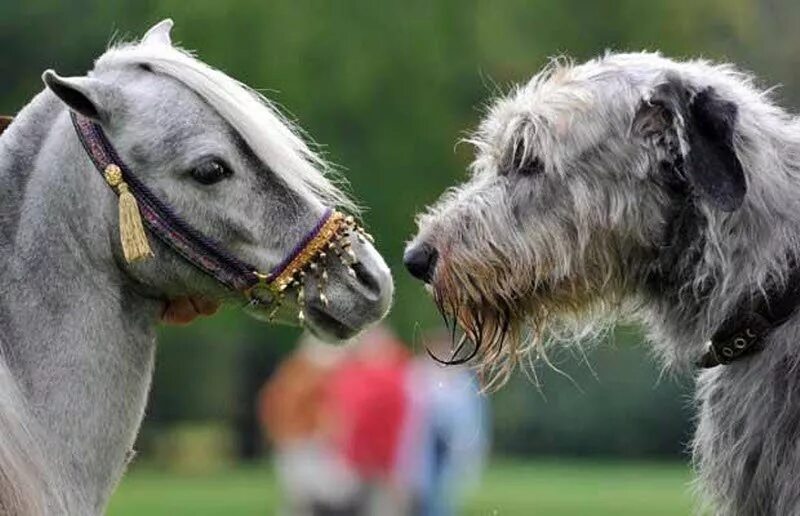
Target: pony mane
column 272, row 137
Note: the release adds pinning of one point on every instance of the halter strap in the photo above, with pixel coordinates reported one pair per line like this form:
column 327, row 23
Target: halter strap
column 201, row 251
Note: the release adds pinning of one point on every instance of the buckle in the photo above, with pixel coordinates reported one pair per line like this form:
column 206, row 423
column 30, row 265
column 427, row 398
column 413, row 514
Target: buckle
column 264, row 292
column 745, row 339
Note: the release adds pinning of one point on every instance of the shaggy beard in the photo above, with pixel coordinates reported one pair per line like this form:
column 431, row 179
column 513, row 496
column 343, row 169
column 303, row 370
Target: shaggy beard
column 496, row 326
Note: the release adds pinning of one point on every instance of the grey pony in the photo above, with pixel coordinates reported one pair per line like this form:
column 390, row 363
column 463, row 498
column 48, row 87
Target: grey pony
column 77, row 324
column 640, row 188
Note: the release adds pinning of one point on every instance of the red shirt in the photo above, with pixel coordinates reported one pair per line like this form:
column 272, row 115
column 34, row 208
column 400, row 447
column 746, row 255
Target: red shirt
column 368, row 404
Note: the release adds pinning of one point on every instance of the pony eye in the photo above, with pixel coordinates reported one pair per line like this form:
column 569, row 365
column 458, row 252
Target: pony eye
column 210, row 172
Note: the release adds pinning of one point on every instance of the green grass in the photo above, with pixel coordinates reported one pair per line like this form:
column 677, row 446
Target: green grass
column 583, row 488
column 563, row 488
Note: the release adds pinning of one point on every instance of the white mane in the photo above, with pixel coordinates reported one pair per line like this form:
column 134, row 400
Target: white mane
column 273, row 138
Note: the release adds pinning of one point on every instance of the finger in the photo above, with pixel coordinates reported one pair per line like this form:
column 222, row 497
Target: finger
column 204, row 306
column 179, row 311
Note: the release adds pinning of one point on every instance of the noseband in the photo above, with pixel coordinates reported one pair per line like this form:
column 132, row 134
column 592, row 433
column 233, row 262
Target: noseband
column 262, row 289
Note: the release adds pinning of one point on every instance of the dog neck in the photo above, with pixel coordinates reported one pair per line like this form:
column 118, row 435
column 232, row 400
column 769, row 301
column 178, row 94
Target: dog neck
column 744, row 332
column 745, row 445
column 691, row 306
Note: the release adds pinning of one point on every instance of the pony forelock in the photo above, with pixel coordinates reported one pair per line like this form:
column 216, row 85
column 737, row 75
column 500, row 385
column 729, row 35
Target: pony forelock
column 272, row 137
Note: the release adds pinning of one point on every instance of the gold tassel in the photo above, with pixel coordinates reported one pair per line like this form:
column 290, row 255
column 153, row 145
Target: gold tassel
column 131, row 230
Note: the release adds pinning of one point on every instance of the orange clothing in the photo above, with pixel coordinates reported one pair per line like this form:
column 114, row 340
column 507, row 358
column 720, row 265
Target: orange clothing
column 291, row 404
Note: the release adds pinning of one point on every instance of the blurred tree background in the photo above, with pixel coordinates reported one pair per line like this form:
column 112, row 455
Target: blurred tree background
column 389, row 87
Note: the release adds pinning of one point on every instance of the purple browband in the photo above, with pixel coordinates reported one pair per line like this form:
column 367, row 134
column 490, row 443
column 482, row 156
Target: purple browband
column 201, row 251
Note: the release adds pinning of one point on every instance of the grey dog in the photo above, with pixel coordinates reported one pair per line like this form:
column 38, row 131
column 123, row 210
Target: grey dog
column 640, row 188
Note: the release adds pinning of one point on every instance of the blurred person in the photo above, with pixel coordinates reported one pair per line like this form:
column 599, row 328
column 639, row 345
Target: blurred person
column 446, row 438
column 334, row 416
column 292, row 410
column 369, row 407
column 369, row 430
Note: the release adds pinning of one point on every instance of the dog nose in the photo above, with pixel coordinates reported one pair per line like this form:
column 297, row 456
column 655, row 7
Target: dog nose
column 420, row 260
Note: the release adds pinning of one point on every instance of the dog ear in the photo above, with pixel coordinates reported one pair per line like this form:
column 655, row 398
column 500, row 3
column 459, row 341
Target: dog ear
column 697, row 130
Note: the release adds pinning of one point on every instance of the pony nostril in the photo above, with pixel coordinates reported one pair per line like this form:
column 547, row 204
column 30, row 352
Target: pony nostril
column 366, row 278
column 420, row 260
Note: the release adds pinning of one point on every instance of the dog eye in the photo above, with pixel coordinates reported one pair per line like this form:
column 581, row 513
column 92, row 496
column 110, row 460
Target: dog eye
column 530, row 167
column 523, row 164
column 210, row 172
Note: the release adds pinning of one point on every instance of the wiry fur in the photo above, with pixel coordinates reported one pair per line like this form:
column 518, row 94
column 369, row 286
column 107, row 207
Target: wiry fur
column 77, row 323
column 612, row 227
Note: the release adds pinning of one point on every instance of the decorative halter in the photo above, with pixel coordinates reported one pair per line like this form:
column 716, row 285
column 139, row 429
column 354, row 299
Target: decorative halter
column 140, row 208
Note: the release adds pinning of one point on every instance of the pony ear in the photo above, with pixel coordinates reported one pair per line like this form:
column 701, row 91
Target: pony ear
column 159, row 34
column 85, row 95
column 696, row 130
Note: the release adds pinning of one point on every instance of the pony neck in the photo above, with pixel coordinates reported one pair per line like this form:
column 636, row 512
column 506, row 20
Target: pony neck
column 80, row 341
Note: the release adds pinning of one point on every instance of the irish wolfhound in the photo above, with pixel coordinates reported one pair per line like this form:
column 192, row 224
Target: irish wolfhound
column 636, row 186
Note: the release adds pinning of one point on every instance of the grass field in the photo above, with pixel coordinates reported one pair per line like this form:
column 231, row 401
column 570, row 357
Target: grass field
column 568, row 488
